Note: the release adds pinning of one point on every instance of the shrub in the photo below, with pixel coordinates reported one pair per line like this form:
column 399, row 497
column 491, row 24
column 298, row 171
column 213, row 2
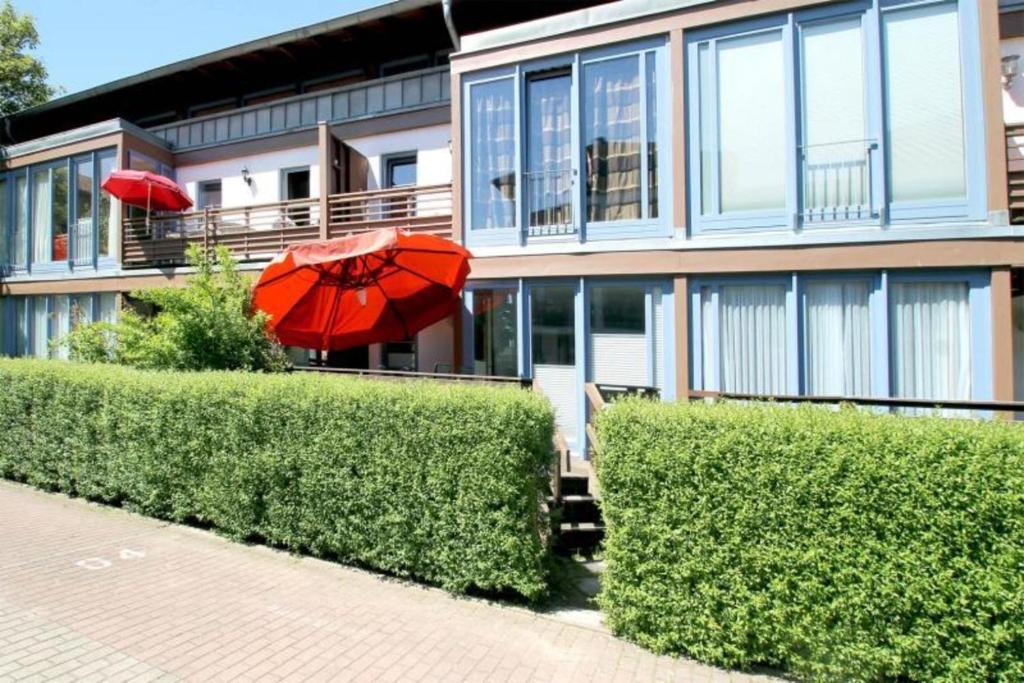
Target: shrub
column 208, row 324
column 838, row 545
column 442, row 483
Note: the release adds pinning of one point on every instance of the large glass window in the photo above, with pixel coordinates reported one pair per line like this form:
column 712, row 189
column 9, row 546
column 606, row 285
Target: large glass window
column 5, row 222
column 751, row 123
column 21, row 326
column 612, row 138
column 924, row 103
column 19, row 238
column 837, row 338
column 834, row 114
column 41, row 246
column 495, row 332
column 84, row 193
column 620, row 351
column 492, row 170
column 836, row 146
column 59, row 213
column 931, row 340
column 589, row 124
column 107, row 216
column 552, row 318
column 548, row 177
column 752, row 343
column 40, row 327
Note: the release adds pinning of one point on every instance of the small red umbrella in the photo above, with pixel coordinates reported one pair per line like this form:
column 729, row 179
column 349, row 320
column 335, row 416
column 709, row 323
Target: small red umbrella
column 374, row 287
column 147, row 190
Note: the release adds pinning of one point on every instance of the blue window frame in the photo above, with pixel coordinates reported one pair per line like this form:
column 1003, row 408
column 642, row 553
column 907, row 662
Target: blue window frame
column 564, row 323
column 567, row 148
column 822, row 118
column 914, row 334
column 72, row 225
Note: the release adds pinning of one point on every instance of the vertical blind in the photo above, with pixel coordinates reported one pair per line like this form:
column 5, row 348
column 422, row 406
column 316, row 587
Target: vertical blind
column 837, row 339
column 931, row 340
column 493, row 142
column 924, row 102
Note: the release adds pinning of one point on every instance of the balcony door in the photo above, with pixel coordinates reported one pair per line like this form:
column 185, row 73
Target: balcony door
column 548, row 178
column 837, row 150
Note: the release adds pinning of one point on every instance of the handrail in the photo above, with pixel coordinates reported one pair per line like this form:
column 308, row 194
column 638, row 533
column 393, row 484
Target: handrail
column 884, row 401
column 526, row 383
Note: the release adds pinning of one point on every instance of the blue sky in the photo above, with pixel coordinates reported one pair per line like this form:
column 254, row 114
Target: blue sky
column 88, row 42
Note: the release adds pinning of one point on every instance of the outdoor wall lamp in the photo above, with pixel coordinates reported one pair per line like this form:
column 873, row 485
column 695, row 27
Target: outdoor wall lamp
column 246, row 176
column 1011, row 69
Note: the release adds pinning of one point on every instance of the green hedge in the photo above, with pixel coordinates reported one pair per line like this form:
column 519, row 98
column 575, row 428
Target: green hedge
column 837, row 545
column 439, row 482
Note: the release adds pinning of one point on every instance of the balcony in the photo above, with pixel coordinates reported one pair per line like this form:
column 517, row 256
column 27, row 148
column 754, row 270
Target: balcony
column 1015, row 172
column 258, row 232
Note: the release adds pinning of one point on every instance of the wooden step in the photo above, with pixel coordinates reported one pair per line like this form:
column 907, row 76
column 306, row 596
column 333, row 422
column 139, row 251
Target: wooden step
column 580, row 526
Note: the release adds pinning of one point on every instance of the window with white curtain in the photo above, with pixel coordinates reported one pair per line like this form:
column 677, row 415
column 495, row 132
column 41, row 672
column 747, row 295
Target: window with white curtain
column 837, row 338
column 906, row 335
column 924, row 103
column 930, row 325
column 577, row 136
column 61, row 324
column 745, row 338
column 19, row 227
column 107, row 307
column 492, row 141
column 41, row 215
column 40, row 327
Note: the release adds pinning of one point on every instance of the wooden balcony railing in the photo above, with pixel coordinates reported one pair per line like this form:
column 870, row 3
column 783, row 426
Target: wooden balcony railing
column 258, row 232
column 1015, row 171
column 423, row 208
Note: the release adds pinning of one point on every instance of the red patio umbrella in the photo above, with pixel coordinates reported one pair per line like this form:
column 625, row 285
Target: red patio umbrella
column 147, row 190
column 374, row 287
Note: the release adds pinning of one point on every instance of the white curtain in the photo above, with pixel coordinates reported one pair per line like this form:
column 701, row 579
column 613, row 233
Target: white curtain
column 41, row 247
column 752, row 339
column 549, row 151
column 752, row 122
column 61, row 324
column 931, row 340
column 924, row 102
column 40, row 328
column 838, row 341
column 20, row 221
column 492, row 133
column 611, row 129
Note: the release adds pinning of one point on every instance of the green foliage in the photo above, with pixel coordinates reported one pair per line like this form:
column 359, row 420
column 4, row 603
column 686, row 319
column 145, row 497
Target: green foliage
column 438, row 482
column 22, row 76
column 836, row 545
column 208, row 324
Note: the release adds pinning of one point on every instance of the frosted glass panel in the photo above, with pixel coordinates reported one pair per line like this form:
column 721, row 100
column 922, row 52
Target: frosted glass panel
column 838, row 343
column 752, row 340
column 925, row 103
column 835, row 156
column 707, row 139
column 751, row 122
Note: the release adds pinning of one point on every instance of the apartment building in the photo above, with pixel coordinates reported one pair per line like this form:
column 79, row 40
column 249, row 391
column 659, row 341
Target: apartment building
column 335, row 128
column 773, row 197
column 757, row 196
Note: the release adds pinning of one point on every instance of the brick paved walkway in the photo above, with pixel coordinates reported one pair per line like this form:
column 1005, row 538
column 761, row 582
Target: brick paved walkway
column 100, row 594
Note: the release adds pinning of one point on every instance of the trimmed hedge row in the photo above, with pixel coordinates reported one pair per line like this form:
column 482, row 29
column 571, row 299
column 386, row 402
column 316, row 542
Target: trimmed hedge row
column 442, row 483
column 838, row 545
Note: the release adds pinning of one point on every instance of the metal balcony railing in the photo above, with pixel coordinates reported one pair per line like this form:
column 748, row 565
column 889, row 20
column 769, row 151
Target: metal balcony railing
column 548, row 196
column 837, row 181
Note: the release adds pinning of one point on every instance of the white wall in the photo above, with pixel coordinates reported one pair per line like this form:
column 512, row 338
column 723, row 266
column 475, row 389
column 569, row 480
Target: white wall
column 433, row 158
column 1013, row 99
column 264, row 169
column 435, row 345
